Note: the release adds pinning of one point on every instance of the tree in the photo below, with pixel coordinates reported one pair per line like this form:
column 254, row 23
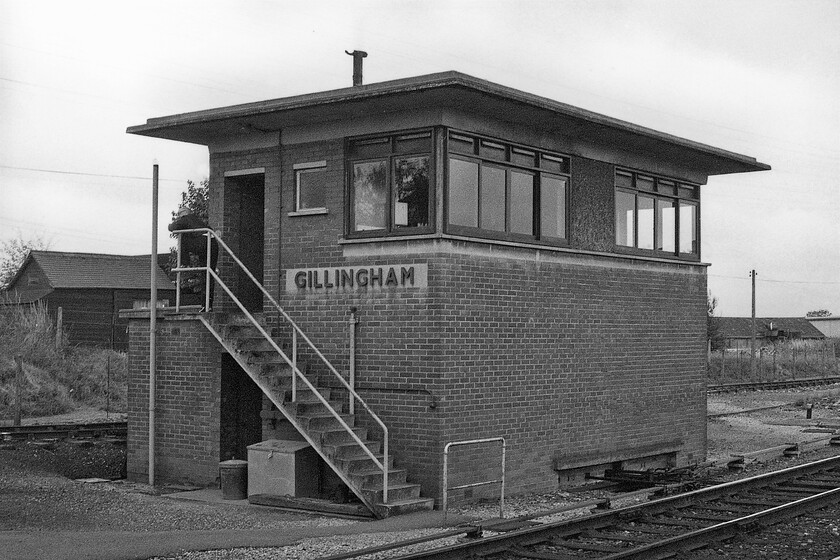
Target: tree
column 819, row 313
column 713, row 333
column 196, row 199
column 14, row 251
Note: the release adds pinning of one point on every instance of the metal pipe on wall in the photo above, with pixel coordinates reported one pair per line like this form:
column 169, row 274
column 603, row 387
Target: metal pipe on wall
column 153, row 325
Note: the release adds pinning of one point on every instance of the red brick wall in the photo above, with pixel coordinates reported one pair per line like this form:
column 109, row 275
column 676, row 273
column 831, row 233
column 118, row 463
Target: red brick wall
column 187, row 403
column 573, row 358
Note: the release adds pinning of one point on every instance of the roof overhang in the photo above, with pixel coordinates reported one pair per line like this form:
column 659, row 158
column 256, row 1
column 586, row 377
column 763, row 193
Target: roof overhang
column 444, row 90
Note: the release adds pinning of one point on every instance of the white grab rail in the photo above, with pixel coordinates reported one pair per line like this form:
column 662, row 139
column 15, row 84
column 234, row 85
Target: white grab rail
column 296, row 333
column 446, row 487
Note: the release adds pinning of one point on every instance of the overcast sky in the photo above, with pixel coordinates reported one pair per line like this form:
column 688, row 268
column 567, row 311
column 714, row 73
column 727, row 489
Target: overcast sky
column 761, row 78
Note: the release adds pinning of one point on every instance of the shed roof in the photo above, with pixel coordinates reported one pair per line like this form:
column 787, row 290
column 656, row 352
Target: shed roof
column 90, row 270
column 741, row 327
column 446, row 89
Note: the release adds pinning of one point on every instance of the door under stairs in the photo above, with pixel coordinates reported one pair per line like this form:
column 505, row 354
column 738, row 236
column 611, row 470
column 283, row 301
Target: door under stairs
column 321, row 415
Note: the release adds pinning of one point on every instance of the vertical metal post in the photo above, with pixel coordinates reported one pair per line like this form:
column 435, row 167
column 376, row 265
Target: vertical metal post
column 153, row 325
column 18, row 388
column 59, row 327
column 752, row 329
column 108, row 387
column 178, row 276
column 207, row 278
column 352, row 380
column 294, row 364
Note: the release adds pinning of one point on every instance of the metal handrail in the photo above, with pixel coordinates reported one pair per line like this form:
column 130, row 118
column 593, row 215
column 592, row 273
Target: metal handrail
column 295, row 333
column 447, row 488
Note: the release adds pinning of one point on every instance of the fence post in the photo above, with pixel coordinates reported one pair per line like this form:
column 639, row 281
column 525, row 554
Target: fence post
column 59, row 325
column 18, row 388
column 793, row 358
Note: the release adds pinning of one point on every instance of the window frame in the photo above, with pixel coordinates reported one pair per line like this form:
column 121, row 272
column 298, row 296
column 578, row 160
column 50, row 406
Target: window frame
column 300, row 169
column 537, row 171
column 663, row 189
column 390, row 155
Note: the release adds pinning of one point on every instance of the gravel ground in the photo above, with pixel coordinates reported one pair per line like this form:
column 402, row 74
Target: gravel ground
column 37, row 495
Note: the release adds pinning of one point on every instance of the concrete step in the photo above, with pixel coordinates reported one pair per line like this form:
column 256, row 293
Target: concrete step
column 253, row 344
column 396, row 493
column 372, row 479
column 236, row 319
column 313, row 407
column 352, row 449
column 402, row 507
column 333, row 437
column 325, row 423
column 353, row 465
column 305, row 394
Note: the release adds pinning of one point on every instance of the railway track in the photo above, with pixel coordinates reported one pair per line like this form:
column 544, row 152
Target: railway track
column 63, row 431
column 667, row 527
column 759, row 385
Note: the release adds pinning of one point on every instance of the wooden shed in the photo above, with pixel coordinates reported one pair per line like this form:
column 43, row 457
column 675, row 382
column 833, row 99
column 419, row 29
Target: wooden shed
column 90, row 289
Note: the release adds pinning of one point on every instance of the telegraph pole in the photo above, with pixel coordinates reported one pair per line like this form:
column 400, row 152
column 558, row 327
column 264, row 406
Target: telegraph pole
column 753, row 274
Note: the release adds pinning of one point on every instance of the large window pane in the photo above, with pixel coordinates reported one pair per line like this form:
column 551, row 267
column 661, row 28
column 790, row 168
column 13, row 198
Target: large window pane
column 625, row 212
column 492, row 198
column 521, row 203
column 370, row 195
column 411, row 192
column 552, row 206
column 645, row 222
column 463, row 193
column 688, row 228
column 666, row 225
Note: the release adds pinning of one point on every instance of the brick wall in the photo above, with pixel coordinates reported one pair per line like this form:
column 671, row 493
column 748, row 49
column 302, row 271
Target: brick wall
column 187, row 402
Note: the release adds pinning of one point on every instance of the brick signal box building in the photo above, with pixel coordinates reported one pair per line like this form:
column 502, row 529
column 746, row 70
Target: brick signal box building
column 519, row 267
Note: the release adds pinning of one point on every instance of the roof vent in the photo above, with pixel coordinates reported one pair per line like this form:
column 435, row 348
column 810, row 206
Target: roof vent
column 357, row 66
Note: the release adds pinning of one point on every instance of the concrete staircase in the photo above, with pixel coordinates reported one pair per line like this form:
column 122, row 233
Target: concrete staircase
column 315, row 418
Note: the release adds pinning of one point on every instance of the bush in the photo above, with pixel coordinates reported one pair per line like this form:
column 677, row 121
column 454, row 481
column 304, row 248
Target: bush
column 57, row 378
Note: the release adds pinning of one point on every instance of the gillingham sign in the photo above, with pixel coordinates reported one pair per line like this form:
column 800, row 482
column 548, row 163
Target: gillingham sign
column 351, row 278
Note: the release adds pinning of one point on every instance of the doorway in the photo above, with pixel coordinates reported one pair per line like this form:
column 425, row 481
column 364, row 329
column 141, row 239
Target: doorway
column 247, row 192
column 240, row 424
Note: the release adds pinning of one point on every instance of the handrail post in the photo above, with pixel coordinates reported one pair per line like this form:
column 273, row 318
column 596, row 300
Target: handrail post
column 294, row 364
column 353, row 321
column 178, row 276
column 207, row 278
column 384, row 467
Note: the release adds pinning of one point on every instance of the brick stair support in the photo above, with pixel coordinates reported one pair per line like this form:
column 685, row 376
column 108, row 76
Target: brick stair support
column 315, row 422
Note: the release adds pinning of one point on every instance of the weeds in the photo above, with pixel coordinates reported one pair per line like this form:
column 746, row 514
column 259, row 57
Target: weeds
column 56, row 378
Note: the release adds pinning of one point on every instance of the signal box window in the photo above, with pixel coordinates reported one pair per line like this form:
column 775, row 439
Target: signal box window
column 310, row 187
column 499, row 190
column 656, row 215
column 390, row 190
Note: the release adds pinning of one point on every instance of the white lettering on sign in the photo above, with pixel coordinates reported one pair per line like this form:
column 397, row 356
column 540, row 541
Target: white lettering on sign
column 344, row 278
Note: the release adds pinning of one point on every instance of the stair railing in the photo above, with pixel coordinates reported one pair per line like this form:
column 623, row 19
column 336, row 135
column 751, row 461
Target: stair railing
column 297, row 334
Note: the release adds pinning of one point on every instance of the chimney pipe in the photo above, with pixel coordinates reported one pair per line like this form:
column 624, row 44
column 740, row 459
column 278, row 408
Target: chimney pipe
column 357, row 66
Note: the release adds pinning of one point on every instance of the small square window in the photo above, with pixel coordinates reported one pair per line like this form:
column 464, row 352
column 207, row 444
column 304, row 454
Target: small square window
column 310, row 186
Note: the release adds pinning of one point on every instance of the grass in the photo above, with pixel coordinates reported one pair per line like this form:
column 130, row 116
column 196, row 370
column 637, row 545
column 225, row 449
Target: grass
column 56, row 377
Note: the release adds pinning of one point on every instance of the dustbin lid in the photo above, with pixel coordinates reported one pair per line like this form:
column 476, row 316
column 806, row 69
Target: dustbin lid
column 233, row 463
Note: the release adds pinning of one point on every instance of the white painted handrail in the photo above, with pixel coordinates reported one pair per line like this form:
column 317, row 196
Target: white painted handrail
column 296, row 333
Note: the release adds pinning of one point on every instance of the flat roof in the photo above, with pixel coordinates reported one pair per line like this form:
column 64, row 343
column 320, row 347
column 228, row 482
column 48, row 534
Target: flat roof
column 445, row 89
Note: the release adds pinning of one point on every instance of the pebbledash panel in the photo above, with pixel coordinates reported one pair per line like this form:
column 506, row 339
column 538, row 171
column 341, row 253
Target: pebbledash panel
column 518, row 268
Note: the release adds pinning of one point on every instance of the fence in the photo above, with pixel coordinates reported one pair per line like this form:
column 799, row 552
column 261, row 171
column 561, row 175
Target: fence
column 782, row 360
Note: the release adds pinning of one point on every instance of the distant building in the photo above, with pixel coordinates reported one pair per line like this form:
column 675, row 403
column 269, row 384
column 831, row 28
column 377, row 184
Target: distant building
column 829, row 326
column 90, row 289
column 737, row 331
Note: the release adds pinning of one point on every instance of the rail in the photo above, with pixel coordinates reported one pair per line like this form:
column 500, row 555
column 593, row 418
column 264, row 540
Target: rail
column 297, row 334
column 447, row 488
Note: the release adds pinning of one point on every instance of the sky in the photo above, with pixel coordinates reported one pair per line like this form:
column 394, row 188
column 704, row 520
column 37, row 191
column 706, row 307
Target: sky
column 760, row 78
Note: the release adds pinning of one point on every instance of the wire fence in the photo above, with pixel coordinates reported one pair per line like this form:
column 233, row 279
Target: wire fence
column 782, row 360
